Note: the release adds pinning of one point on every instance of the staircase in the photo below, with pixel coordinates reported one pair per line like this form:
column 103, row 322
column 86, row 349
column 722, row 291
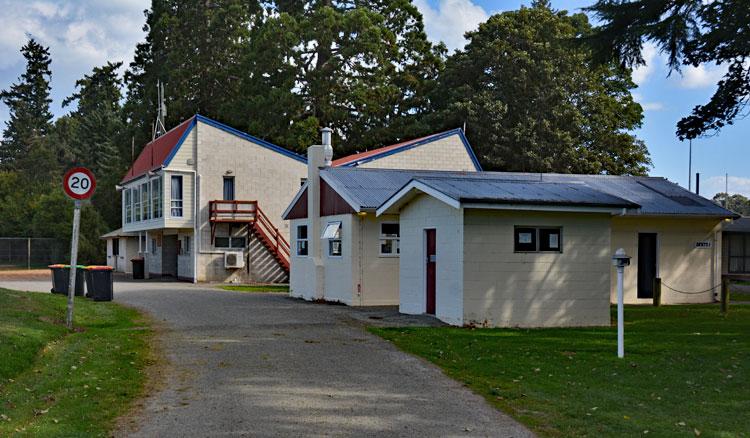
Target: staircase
column 249, row 213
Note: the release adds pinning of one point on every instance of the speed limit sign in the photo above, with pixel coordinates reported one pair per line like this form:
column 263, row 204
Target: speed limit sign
column 79, row 183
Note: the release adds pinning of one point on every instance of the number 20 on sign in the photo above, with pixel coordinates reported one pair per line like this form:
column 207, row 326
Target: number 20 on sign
column 79, row 183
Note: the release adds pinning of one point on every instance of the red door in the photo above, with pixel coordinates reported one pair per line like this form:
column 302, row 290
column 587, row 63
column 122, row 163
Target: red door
column 431, row 258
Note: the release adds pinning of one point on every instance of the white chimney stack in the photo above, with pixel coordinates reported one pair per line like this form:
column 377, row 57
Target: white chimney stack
column 327, row 146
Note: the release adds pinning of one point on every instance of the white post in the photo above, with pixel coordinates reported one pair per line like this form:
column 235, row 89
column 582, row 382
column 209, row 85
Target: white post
column 28, row 253
column 620, row 315
column 73, row 261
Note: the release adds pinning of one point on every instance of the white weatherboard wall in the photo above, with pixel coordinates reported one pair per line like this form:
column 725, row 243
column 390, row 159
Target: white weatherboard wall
column 300, row 285
column 376, row 276
column 339, row 271
column 448, row 153
column 422, row 213
column 502, row 288
column 680, row 264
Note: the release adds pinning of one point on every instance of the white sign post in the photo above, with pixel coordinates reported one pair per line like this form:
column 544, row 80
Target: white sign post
column 620, row 260
column 78, row 183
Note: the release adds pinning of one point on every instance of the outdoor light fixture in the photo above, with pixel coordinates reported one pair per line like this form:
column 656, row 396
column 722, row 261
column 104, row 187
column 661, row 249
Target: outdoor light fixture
column 620, row 260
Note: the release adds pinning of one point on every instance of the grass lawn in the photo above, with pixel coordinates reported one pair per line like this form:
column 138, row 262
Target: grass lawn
column 256, row 288
column 686, row 372
column 57, row 383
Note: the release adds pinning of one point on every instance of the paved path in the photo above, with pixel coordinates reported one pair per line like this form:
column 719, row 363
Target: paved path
column 267, row 365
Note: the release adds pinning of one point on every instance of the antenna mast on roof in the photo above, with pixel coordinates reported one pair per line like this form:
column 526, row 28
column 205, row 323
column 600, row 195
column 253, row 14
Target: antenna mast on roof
column 161, row 112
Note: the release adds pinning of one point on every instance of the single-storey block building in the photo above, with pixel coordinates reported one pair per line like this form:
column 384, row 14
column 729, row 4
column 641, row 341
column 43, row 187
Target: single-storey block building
column 356, row 259
column 500, row 249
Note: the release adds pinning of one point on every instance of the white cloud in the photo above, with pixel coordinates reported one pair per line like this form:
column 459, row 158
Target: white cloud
column 716, row 184
column 701, row 76
column 643, row 72
column 648, row 106
column 450, row 20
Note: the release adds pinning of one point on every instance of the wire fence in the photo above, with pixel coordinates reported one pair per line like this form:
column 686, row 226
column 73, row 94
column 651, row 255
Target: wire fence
column 31, row 252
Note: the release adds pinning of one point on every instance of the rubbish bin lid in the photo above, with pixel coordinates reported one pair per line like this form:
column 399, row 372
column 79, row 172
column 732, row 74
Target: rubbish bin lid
column 99, row 268
column 57, row 266
column 137, row 259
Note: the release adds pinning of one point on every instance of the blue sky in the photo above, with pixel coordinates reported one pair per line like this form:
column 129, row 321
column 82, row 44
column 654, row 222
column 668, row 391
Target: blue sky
column 86, row 33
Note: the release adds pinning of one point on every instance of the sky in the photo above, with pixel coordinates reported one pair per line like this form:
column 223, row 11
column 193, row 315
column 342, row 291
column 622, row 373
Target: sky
column 82, row 34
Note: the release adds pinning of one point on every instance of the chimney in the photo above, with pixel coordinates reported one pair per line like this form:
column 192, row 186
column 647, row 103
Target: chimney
column 697, row 183
column 318, row 157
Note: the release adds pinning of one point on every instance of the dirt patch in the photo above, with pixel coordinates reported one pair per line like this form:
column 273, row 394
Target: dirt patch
column 24, row 274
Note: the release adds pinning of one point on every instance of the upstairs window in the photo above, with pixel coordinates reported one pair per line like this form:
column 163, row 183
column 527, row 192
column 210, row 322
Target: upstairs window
column 389, row 239
column 176, row 200
column 230, row 242
column 145, row 201
column 137, row 204
column 156, row 198
column 302, row 240
column 332, row 233
column 128, row 202
column 537, row 239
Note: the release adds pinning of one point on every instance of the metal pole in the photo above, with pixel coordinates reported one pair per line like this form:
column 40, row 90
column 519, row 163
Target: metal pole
column 28, row 253
column 620, row 315
column 73, row 262
column 690, row 167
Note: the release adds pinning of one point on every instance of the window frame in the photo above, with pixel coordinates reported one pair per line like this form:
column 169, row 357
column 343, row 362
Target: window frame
column 230, row 240
column 127, row 199
column 224, row 180
column 537, row 239
column 299, row 240
column 136, row 203
column 395, row 241
column 334, row 239
column 157, row 206
column 176, row 204
column 146, row 200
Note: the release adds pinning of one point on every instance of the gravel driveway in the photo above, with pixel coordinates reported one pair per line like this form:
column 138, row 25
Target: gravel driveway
column 244, row 364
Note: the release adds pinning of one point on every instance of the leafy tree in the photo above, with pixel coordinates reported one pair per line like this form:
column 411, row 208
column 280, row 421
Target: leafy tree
column 363, row 67
column 690, row 32
column 28, row 103
column 534, row 102
column 193, row 48
column 737, row 203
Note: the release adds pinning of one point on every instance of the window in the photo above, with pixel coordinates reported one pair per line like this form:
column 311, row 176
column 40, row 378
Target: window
column 229, row 188
column 137, row 204
column 185, row 246
column 156, row 198
column 142, row 244
column 153, row 246
column 301, row 240
column 389, row 239
column 128, row 206
column 176, row 203
column 145, row 201
column 332, row 232
column 230, row 242
column 541, row 239
column 739, row 253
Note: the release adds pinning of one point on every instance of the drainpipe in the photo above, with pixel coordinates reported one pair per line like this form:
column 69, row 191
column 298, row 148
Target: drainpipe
column 318, row 157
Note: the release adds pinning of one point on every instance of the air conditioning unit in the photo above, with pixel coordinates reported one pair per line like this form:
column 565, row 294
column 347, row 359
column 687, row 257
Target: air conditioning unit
column 234, row 260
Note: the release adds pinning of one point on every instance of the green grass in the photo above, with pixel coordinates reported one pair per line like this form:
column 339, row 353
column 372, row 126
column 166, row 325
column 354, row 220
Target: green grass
column 256, row 288
column 739, row 296
column 59, row 383
column 686, row 369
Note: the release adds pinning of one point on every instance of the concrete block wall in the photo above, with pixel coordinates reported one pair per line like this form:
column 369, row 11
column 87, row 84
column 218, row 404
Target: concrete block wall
column 447, row 153
column 507, row 289
column 422, row 213
column 679, row 263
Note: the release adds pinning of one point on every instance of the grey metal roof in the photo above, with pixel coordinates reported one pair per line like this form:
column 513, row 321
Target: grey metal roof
column 741, row 225
column 523, row 192
column 369, row 188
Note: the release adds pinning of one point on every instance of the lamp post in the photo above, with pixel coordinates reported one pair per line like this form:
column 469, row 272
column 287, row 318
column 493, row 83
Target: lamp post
column 620, row 260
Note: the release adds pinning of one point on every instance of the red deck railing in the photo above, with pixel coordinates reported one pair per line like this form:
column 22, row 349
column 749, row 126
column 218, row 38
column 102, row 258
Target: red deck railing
column 248, row 212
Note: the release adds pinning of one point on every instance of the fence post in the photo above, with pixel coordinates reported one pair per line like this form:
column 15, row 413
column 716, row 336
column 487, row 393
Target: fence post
column 724, row 295
column 28, row 253
column 657, row 292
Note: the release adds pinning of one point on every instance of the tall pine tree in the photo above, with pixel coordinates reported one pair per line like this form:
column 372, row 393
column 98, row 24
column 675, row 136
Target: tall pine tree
column 28, row 101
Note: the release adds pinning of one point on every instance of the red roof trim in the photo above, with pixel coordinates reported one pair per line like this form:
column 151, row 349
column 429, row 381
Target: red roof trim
column 155, row 153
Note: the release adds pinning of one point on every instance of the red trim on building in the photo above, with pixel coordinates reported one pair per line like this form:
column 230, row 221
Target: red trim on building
column 299, row 210
column 155, row 153
column 332, row 203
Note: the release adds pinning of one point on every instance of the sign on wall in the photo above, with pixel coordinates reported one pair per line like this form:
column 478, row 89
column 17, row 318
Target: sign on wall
column 703, row 244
